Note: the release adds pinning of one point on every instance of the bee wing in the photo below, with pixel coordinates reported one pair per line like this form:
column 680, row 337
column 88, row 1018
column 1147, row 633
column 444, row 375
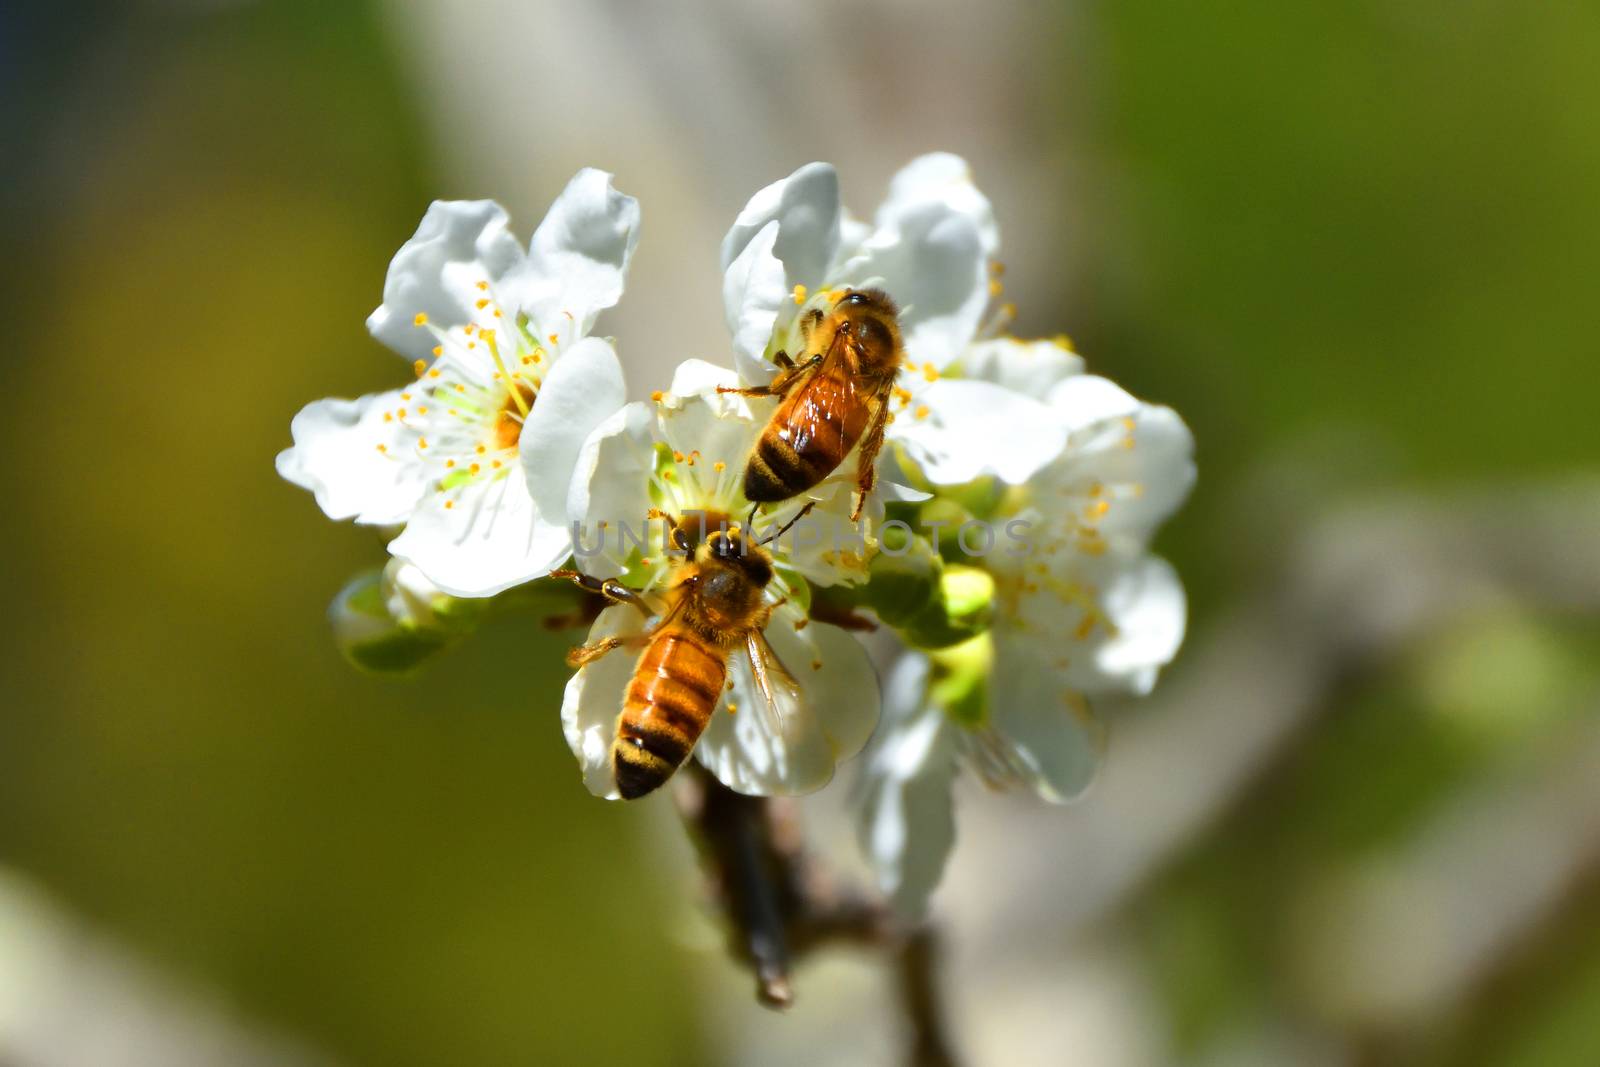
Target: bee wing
column 768, row 668
column 825, row 722
column 820, row 409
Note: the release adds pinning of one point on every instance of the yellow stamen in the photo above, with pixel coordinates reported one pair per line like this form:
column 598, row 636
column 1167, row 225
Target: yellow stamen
column 421, row 319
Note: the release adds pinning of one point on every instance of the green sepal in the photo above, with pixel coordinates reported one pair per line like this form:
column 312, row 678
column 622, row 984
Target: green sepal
column 959, row 680
column 910, row 589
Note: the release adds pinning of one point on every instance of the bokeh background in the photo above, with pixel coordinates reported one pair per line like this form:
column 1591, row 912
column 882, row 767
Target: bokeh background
column 1356, row 244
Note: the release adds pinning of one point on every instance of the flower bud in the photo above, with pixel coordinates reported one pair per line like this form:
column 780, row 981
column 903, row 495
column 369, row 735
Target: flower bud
column 390, row 621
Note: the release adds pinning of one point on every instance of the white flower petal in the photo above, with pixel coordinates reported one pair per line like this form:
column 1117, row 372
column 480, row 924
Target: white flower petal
column 336, row 455
column 1146, row 604
column 490, row 538
column 829, row 723
column 753, row 295
column 611, row 485
column 1087, row 399
column 579, row 255
column 593, row 700
column 933, row 262
column 906, row 821
column 1053, row 737
column 457, row 244
column 944, row 179
column 582, row 389
column 720, row 426
column 1142, row 454
column 806, row 207
column 1032, row 368
column 974, row 428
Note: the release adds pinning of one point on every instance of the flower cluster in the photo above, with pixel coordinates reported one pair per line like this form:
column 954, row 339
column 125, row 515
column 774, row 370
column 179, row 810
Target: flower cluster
column 993, row 554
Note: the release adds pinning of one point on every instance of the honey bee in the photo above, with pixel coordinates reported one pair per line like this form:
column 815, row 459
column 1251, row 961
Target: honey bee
column 835, row 397
column 716, row 602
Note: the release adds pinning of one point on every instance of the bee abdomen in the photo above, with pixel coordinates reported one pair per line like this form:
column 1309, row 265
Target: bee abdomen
column 669, row 702
column 809, row 436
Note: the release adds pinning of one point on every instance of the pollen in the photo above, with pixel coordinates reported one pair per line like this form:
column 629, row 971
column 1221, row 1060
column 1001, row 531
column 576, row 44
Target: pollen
column 449, row 504
column 930, row 372
column 483, row 285
column 996, row 267
column 922, row 411
column 995, row 288
column 495, row 464
column 816, row 664
column 401, row 413
column 388, row 417
column 733, row 709
column 555, row 338
column 677, row 457
column 799, row 294
column 481, row 303
column 481, row 450
column 422, row 410
column 383, row 448
column 433, row 374
column 474, row 469
column 438, row 350
column 421, row 319
column 422, row 442
column 719, row 466
column 657, row 395
column 449, row 463
column 421, row 367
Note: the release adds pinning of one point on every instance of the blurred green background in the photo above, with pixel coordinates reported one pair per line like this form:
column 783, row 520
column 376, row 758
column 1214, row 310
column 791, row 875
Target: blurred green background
column 1359, row 239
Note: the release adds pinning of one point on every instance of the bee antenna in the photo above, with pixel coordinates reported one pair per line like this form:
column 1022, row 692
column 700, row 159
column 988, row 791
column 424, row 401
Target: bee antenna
column 785, row 527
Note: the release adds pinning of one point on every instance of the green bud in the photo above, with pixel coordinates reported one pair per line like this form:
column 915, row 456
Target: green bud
column 959, row 683
column 910, row 588
column 391, row 621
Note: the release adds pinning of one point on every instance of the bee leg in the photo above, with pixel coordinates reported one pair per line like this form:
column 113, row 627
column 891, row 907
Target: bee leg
column 780, row 386
column 585, row 654
column 609, row 588
column 782, row 359
column 867, row 461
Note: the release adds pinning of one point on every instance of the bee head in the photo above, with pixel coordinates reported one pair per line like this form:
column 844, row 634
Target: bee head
column 871, row 320
column 731, row 548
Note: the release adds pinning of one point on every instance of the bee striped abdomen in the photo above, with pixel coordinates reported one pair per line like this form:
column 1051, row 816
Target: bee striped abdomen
column 669, row 702
column 807, row 438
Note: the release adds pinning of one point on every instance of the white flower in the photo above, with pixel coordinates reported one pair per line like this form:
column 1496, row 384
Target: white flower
column 683, row 455
column 475, row 458
column 930, row 247
column 1082, row 610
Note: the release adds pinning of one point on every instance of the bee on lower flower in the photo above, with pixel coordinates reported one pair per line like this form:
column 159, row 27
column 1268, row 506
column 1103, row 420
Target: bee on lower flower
column 730, row 667
column 715, row 603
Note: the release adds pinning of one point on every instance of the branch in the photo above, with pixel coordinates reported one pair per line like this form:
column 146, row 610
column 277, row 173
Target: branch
column 780, row 904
